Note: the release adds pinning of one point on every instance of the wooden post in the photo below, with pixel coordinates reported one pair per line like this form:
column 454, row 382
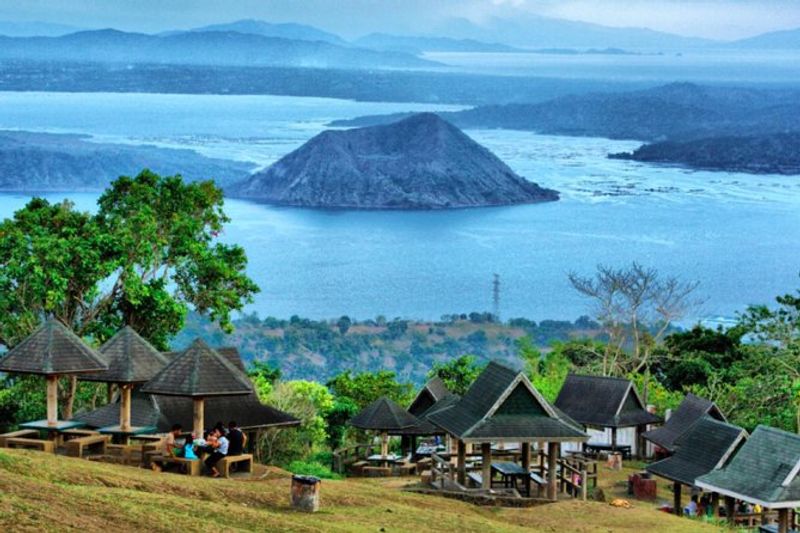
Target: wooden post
column 715, row 505
column 552, row 470
column 462, row 462
column 199, row 413
column 676, row 499
column 526, row 466
column 584, row 485
column 125, row 407
column 384, row 443
column 52, row 400
column 783, row 520
column 613, row 439
column 109, row 392
column 730, row 510
column 486, row 468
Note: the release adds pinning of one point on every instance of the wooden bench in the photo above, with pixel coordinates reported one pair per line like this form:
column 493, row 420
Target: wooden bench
column 22, row 433
column 536, row 478
column 377, row 471
column 189, row 467
column 224, row 464
column 31, row 444
column 131, row 454
column 358, row 467
column 406, row 468
column 75, row 447
column 476, row 478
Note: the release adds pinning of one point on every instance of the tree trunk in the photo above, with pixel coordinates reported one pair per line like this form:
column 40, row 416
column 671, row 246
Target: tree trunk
column 68, row 400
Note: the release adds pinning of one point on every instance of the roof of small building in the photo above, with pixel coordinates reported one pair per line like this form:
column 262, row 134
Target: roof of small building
column 432, row 392
column 384, row 414
column 706, row 446
column 199, row 371
column 764, row 471
column 501, row 405
column 163, row 411
column 130, row 358
column 52, row 349
column 603, row 402
column 691, row 409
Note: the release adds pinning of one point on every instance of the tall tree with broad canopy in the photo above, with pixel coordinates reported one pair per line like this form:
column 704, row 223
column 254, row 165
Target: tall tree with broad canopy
column 150, row 253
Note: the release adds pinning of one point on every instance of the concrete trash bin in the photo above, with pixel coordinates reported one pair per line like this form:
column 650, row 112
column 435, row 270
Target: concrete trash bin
column 305, row 493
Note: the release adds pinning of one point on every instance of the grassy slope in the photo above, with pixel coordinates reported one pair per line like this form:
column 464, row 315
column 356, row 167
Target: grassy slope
column 39, row 491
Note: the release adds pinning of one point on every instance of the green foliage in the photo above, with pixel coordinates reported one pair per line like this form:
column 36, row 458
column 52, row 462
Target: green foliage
column 148, row 254
column 337, row 418
column 312, row 468
column 344, row 324
column 459, row 373
column 546, row 373
column 364, row 388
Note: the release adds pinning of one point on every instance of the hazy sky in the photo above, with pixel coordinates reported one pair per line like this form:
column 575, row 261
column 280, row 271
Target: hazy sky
column 722, row 19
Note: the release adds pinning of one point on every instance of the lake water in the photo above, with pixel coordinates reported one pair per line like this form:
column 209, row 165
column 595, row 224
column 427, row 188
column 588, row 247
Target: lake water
column 737, row 234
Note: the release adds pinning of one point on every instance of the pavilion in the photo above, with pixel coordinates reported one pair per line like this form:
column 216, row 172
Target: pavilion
column 606, row 403
column 386, row 417
column 198, row 373
column 691, row 409
column 131, row 361
column 52, row 351
column 429, row 395
column 764, row 472
column 707, row 446
column 502, row 406
column 161, row 412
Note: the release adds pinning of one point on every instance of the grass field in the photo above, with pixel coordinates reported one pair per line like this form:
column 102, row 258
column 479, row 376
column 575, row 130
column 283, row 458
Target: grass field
column 45, row 492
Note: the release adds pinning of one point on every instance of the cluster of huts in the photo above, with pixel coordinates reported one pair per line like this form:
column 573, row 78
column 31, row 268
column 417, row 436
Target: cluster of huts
column 150, row 391
column 502, row 416
column 501, row 437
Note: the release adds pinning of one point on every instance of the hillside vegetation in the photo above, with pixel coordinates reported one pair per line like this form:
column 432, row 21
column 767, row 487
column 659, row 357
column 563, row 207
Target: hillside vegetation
column 45, row 492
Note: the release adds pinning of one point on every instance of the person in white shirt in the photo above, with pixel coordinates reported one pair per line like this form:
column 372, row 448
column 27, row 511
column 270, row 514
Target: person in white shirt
column 220, row 451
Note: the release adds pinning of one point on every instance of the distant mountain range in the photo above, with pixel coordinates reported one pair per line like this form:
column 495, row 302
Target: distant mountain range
column 421, row 162
column 68, row 162
column 420, row 44
column 287, row 30
column 35, row 28
column 678, row 111
column 776, row 40
column 219, row 48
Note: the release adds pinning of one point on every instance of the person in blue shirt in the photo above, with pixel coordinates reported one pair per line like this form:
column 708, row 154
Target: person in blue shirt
column 188, row 449
column 220, row 451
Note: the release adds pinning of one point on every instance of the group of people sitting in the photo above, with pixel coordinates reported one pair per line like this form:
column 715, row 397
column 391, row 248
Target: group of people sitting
column 215, row 443
column 701, row 506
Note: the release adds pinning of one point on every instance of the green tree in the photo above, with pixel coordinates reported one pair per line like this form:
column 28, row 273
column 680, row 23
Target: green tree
column 459, row 373
column 364, row 388
column 149, row 254
column 344, row 324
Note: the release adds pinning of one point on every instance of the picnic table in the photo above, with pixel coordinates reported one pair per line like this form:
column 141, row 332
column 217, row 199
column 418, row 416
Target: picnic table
column 426, row 450
column 124, row 435
column 384, row 459
column 595, row 448
column 510, row 472
column 53, row 430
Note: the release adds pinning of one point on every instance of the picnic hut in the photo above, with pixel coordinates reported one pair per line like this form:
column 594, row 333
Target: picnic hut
column 502, row 406
column 160, row 412
column 764, row 472
column 198, row 373
column 387, row 417
column 131, row 361
column 52, row 351
column 691, row 409
column 707, row 446
column 605, row 403
column 429, row 395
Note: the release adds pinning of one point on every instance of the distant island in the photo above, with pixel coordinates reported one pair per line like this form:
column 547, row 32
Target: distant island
column 421, row 162
column 68, row 162
column 762, row 154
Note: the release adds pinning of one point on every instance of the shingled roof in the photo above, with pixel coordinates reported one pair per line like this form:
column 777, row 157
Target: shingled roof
column 163, row 411
column 384, row 415
column 603, row 402
column 131, row 359
column 53, row 349
column 706, row 446
column 433, row 391
column 764, row 471
column 502, row 405
column 691, row 409
column 200, row 371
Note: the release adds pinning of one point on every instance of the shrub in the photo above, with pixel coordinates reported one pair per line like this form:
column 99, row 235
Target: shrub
column 312, row 468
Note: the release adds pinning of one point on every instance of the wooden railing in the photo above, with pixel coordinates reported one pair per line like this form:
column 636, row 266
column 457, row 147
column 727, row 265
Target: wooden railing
column 343, row 457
